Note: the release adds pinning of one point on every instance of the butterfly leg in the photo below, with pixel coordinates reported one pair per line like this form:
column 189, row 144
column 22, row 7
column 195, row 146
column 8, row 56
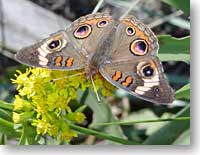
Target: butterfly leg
column 95, row 89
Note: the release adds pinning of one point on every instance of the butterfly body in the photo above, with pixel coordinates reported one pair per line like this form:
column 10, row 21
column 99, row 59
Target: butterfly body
column 123, row 52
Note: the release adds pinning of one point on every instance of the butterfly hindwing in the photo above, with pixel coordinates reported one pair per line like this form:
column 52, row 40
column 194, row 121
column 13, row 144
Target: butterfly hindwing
column 142, row 77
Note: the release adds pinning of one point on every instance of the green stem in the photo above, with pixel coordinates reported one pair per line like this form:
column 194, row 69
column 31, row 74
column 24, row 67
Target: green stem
column 102, row 135
column 145, row 121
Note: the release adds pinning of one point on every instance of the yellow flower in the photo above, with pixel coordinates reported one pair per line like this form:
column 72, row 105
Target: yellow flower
column 21, row 104
column 76, row 116
column 67, row 135
column 21, row 78
column 16, row 118
column 44, row 101
column 41, row 126
column 79, row 117
column 53, row 130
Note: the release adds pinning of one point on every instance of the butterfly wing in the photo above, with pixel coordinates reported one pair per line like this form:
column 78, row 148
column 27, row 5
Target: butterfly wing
column 54, row 52
column 69, row 49
column 133, row 38
column 142, row 77
column 88, row 31
column 133, row 65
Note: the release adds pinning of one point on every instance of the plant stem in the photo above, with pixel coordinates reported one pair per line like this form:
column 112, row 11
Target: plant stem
column 145, row 121
column 102, row 135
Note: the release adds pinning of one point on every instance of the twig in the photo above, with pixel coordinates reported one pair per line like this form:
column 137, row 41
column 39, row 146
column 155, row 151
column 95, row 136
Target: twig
column 97, row 7
column 129, row 9
column 165, row 19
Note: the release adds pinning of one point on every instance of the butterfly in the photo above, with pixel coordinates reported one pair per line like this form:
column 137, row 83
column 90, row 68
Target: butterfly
column 122, row 51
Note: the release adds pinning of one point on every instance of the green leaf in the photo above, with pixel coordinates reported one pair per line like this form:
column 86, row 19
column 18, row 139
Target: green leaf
column 174, row 49
column 171, row 131
column 102, row 113
column 183, row 5
column 172, row 45
column 28, row 135
column 7, row 127
column 5, row 114
column 5, row 105
column 183, row 93
column 184, row 139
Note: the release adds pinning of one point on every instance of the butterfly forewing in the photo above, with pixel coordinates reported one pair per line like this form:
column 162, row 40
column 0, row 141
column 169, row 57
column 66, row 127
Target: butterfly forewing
column 55, row 52
column 133, row 38
column 88, row 31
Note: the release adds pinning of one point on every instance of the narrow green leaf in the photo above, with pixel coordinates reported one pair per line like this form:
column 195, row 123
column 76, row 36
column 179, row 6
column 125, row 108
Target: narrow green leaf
column 183, row 93
column 171, row 131
column 102, row 135
column 3, row 139
column 5, row 105
column 175, row 57
column 5, row 114
column 6, row 127
column 145, row 121
column 28, row 135
column 183, row 5
column 184, row 139
column 81, row 108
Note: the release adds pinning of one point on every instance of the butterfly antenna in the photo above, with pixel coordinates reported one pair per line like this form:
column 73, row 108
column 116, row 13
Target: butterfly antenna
column 67, row 76
column 95, row 89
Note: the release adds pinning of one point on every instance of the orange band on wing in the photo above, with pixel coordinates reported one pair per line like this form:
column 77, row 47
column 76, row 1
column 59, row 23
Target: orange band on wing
column 117, row 75
column 69, row 62
column 137, row 31
column 128, row 81
column 58, row 61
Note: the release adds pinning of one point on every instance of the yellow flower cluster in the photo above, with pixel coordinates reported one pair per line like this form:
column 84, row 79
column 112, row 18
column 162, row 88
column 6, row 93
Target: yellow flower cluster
column 44, row 101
